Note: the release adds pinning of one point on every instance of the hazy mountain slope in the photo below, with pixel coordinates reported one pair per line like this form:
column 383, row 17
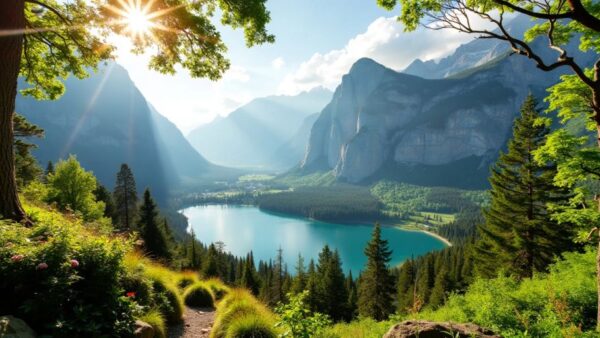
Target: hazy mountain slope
column 292, row 152
column 250, row 135
column 106, row 121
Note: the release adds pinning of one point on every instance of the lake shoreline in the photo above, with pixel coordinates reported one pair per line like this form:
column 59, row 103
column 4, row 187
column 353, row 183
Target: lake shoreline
column 430, row 233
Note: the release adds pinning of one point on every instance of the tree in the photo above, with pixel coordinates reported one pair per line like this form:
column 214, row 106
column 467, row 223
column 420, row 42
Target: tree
column 331, row 293
column 576, row 97
column 49, row 170
column 519, row 235
column 299, row 282
column 406, row 284
column 71, row 187
column 155, row 239
column 248, row 279
column 27, row 168
column 278, row 294
column 438, row 293
column 376, row 282
column 125, row 197
column 103, row 195
column 48, row 40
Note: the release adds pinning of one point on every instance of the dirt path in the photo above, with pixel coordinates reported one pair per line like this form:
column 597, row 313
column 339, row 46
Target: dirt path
column 197, row 323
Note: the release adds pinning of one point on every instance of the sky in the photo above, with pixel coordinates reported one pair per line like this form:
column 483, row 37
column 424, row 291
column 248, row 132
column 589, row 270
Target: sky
column 317, row 41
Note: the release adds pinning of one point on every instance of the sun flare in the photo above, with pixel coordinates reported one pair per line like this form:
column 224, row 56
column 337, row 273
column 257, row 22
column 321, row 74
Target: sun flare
column 138, row 22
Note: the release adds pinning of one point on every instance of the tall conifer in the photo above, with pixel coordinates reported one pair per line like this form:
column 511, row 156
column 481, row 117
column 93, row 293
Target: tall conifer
column 125, row 197
column 376, row 283
column 518, row 235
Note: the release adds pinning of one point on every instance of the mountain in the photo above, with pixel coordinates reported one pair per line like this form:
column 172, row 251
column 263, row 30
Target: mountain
column 105, row 121
column 385, row 124
column 292, row 152
column 250, row 135
column 470, row 55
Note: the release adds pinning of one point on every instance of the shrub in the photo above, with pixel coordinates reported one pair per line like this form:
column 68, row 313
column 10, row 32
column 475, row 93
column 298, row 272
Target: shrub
column 169, row 301
column 218, row 289
column 297, row 319
column 186, row 279
column 251, row 326
column 156, row 319
column 560, row 303
column 198, row 295
column 238, row 306
column 61, row 264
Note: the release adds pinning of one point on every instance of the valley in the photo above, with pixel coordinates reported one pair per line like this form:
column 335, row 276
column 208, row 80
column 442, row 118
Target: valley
column 434, row 171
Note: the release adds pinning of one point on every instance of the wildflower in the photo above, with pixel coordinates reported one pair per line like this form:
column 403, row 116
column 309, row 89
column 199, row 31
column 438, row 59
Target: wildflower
column 42, row 266
column 74, row 263
column 130, row 294
column 17, row 258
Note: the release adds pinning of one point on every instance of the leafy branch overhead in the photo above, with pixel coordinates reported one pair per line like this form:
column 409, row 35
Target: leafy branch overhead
column 63, row 38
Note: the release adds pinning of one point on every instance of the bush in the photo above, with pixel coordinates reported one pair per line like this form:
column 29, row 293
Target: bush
column 198, row 295
column 251, row 326
column 237, row 307
column 60, row 264
column 560, row 303
column 187, row 279
column 218, row 289
column 156, row 319
column 169, row 301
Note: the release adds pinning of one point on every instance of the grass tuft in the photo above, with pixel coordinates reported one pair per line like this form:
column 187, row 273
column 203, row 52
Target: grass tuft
column 156, row 319
column 199, row 295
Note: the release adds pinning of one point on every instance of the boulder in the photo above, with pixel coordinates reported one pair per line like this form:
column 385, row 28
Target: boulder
column 12, row 327
column 425, row 329
column 143, row 330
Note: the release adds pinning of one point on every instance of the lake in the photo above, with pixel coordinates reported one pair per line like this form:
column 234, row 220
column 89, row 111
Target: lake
column 246, row 228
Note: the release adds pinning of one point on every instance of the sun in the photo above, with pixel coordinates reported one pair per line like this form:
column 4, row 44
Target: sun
column 138, row 21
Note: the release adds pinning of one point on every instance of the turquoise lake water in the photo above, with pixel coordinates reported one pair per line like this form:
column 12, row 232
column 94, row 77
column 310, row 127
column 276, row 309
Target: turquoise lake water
column 245, row 228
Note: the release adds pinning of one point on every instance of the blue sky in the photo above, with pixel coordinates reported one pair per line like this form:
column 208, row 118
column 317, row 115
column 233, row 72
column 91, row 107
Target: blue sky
column 316, row 43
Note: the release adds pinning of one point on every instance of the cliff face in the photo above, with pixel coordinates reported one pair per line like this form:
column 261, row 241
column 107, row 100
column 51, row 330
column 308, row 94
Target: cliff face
column 379, row 120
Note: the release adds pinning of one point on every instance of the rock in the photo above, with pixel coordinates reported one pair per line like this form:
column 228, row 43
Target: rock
column 143, row 330
column 425, row 329
column 12, row 327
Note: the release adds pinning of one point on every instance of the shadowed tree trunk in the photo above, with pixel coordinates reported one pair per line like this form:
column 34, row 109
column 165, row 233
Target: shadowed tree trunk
column 12, row 22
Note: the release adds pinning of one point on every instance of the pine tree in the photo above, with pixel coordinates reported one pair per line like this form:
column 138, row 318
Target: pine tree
column 277, row 294
column 299, row 282
column 351, row 306
column 331, row 292
column 211, row 264
column 49, row 169
column 248, row 279
column 27, row 168
column 155, row 240
column 377, row 283
column 518, row 235
column 125, row 197
column 311, row 286
column 440, row 287
column 406, row 284
column 103, row 195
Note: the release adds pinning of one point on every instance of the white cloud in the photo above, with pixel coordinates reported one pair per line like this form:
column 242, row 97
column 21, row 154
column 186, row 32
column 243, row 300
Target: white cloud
column 384, row 41
column 278, row 63
column 236, row 73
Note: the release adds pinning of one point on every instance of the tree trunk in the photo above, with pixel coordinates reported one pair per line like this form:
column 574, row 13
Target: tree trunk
column 12, row 22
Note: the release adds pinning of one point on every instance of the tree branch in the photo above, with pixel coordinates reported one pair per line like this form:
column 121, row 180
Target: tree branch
column 51, row 9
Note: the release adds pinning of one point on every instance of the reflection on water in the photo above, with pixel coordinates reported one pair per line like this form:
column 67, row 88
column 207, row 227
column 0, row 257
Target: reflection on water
column 245, row 228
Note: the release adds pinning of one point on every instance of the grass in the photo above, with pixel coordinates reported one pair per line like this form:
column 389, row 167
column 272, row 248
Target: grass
column 156, row 319
column 198, row 294
column 239, row 314
column 364, row 328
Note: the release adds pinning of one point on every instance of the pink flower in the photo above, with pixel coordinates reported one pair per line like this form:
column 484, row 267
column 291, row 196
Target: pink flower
column 17, row 258
column 74, row 263
column 42, row 266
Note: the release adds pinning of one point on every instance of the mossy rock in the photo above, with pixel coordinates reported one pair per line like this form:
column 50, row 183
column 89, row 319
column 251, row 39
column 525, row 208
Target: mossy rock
column 198, row 295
